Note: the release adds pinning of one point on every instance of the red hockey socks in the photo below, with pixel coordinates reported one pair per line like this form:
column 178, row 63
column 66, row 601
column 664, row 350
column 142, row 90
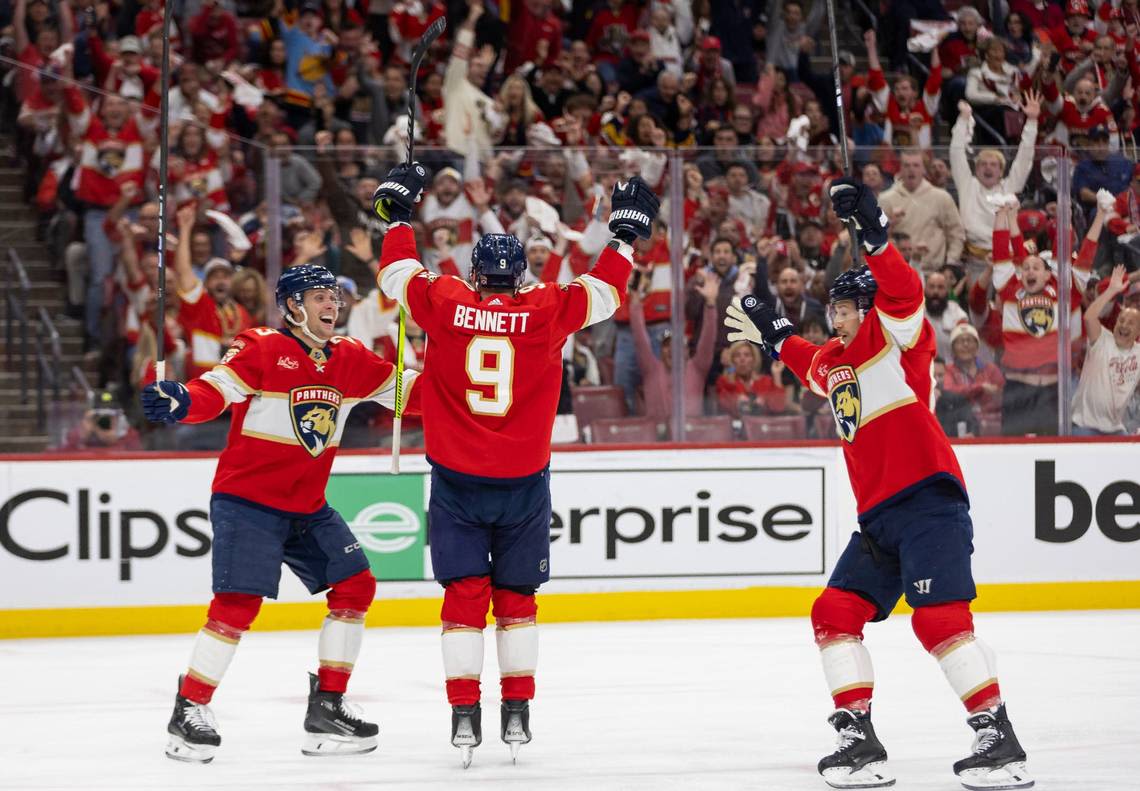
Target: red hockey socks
column 464, row 615
column 343, row 630
column 516, row 638
column 228, row 618
column 947, row 632
column 837, row 619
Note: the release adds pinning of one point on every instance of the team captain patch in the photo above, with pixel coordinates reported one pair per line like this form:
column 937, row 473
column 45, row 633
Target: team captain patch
column 846, row 403
column 314, row 411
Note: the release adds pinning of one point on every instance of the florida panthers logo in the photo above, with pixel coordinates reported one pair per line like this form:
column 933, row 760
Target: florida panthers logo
column 314, row 411
column 1036, row 313
column 846, row 401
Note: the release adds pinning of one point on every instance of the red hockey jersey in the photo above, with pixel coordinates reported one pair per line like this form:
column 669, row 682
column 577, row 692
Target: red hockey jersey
column 290, row 405
column 880, row 388
column 493, row 366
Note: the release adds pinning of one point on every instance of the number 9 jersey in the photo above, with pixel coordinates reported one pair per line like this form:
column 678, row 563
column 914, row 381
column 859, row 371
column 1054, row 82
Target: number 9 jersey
column 493, row 369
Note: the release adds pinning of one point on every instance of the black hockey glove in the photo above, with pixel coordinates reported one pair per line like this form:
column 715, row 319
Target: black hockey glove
column 752, row 319
column 168, row 406
column 633, row 207
column 851, row 200
column 401, row 191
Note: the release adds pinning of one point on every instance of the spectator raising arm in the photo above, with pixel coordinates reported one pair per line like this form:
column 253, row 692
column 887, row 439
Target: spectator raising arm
column 1117, row 282
column 184, row 275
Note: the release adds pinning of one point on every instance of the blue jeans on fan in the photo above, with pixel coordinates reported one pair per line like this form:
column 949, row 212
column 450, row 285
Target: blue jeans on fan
column 627, row 374
column 100, row 264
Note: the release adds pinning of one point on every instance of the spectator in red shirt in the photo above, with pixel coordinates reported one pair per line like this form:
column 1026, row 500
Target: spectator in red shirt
column 33, row 47
column 609, row 33
column 214, row 35
column 978, row 381
column 534, row 35
column 746, row 391
column 1041, row 14
column 210, row 316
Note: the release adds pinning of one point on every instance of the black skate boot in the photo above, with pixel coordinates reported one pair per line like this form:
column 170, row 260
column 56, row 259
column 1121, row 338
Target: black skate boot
column 466, row 730
column 859, row 760
column 333, row 727
column 998, row 760
column 193, row 732
column 515, row 725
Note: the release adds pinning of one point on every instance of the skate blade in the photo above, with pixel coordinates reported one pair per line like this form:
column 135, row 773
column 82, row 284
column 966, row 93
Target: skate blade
column 320, row 745
column 1012, row 775
column 466, row 753
column 181, row 750
column 873, row 775
column 515, row 751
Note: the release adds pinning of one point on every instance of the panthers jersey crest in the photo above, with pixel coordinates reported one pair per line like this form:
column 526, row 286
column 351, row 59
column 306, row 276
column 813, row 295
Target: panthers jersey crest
column 1036, row 311
column 314, row 411
column 846, row 401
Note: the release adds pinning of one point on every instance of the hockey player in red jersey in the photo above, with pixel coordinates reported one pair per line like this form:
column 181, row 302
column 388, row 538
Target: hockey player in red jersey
column 489, row 392
column 915, row 531
column 289, row 392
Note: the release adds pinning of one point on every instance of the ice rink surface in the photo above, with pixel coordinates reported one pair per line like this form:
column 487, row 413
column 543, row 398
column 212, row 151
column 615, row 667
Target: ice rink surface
column 654, row 705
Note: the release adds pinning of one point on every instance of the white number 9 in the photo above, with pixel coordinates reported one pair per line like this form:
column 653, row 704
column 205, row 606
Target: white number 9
column 491, row 363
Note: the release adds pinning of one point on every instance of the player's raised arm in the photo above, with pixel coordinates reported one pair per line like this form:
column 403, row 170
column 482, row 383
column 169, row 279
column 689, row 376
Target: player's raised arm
column 596, row 295
column 233, row 380
column 394, row 202
column 899, row 299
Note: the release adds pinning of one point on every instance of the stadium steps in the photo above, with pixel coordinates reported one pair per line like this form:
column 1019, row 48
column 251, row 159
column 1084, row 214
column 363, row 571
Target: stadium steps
column 18, row 430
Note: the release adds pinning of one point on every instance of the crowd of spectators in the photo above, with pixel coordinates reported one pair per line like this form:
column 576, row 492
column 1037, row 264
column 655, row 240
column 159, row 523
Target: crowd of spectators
column 528, row 111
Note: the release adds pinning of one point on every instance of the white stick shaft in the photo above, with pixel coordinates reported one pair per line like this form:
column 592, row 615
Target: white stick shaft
column 396, row 445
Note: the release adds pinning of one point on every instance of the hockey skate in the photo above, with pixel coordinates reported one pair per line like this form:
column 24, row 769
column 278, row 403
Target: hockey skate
column 333, row 727
column 859, row 760
column 515, row 730
column 998, row 760
column 466, row 730
column 193, row 732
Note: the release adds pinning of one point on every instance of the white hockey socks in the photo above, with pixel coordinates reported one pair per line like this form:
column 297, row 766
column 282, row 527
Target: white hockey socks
column 338, row 648
column 462, row 663
column 971, row 668
column 214, row 649
column 517, row 642
column 849, row 673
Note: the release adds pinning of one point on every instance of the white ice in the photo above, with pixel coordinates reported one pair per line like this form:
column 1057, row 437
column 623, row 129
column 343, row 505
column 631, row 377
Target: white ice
column 659, row 705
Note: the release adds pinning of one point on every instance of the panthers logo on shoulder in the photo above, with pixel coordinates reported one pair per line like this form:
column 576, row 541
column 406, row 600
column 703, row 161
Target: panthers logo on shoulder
column 314, row 411
column 846, row 401
column 1036, row 313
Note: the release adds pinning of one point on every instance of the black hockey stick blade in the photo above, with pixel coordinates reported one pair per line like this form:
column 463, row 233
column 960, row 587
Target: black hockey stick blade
column 430, row 35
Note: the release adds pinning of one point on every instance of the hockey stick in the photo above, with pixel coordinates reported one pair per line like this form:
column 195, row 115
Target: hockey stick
column 841, row 112
column 163, row 150
column 429, row 37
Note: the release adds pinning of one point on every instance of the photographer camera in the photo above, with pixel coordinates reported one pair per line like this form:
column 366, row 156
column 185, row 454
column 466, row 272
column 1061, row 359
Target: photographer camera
column 103, row 427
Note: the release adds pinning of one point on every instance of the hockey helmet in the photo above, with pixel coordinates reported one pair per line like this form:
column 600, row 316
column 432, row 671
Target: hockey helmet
column 296, row 280
column 498, row 260
column 855, row 284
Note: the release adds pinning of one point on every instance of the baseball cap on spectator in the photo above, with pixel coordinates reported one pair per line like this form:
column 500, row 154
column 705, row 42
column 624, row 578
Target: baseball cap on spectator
column 348, row 286
column 213, row 265
column 639, row 35
column 1031, row 220
column 448, row 173
column 963, row 328
column 539, row 241
column 1099, row 132
column 1077, row 8
column 847, row 57
column 710, row 42
column 130, row 44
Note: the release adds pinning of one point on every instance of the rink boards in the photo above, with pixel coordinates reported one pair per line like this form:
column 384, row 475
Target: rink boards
column 97, row 546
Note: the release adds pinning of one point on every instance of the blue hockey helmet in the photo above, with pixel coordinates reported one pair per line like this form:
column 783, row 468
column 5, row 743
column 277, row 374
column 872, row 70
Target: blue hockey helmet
column 857, row 285
column 296, row 280
column 498, row 260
